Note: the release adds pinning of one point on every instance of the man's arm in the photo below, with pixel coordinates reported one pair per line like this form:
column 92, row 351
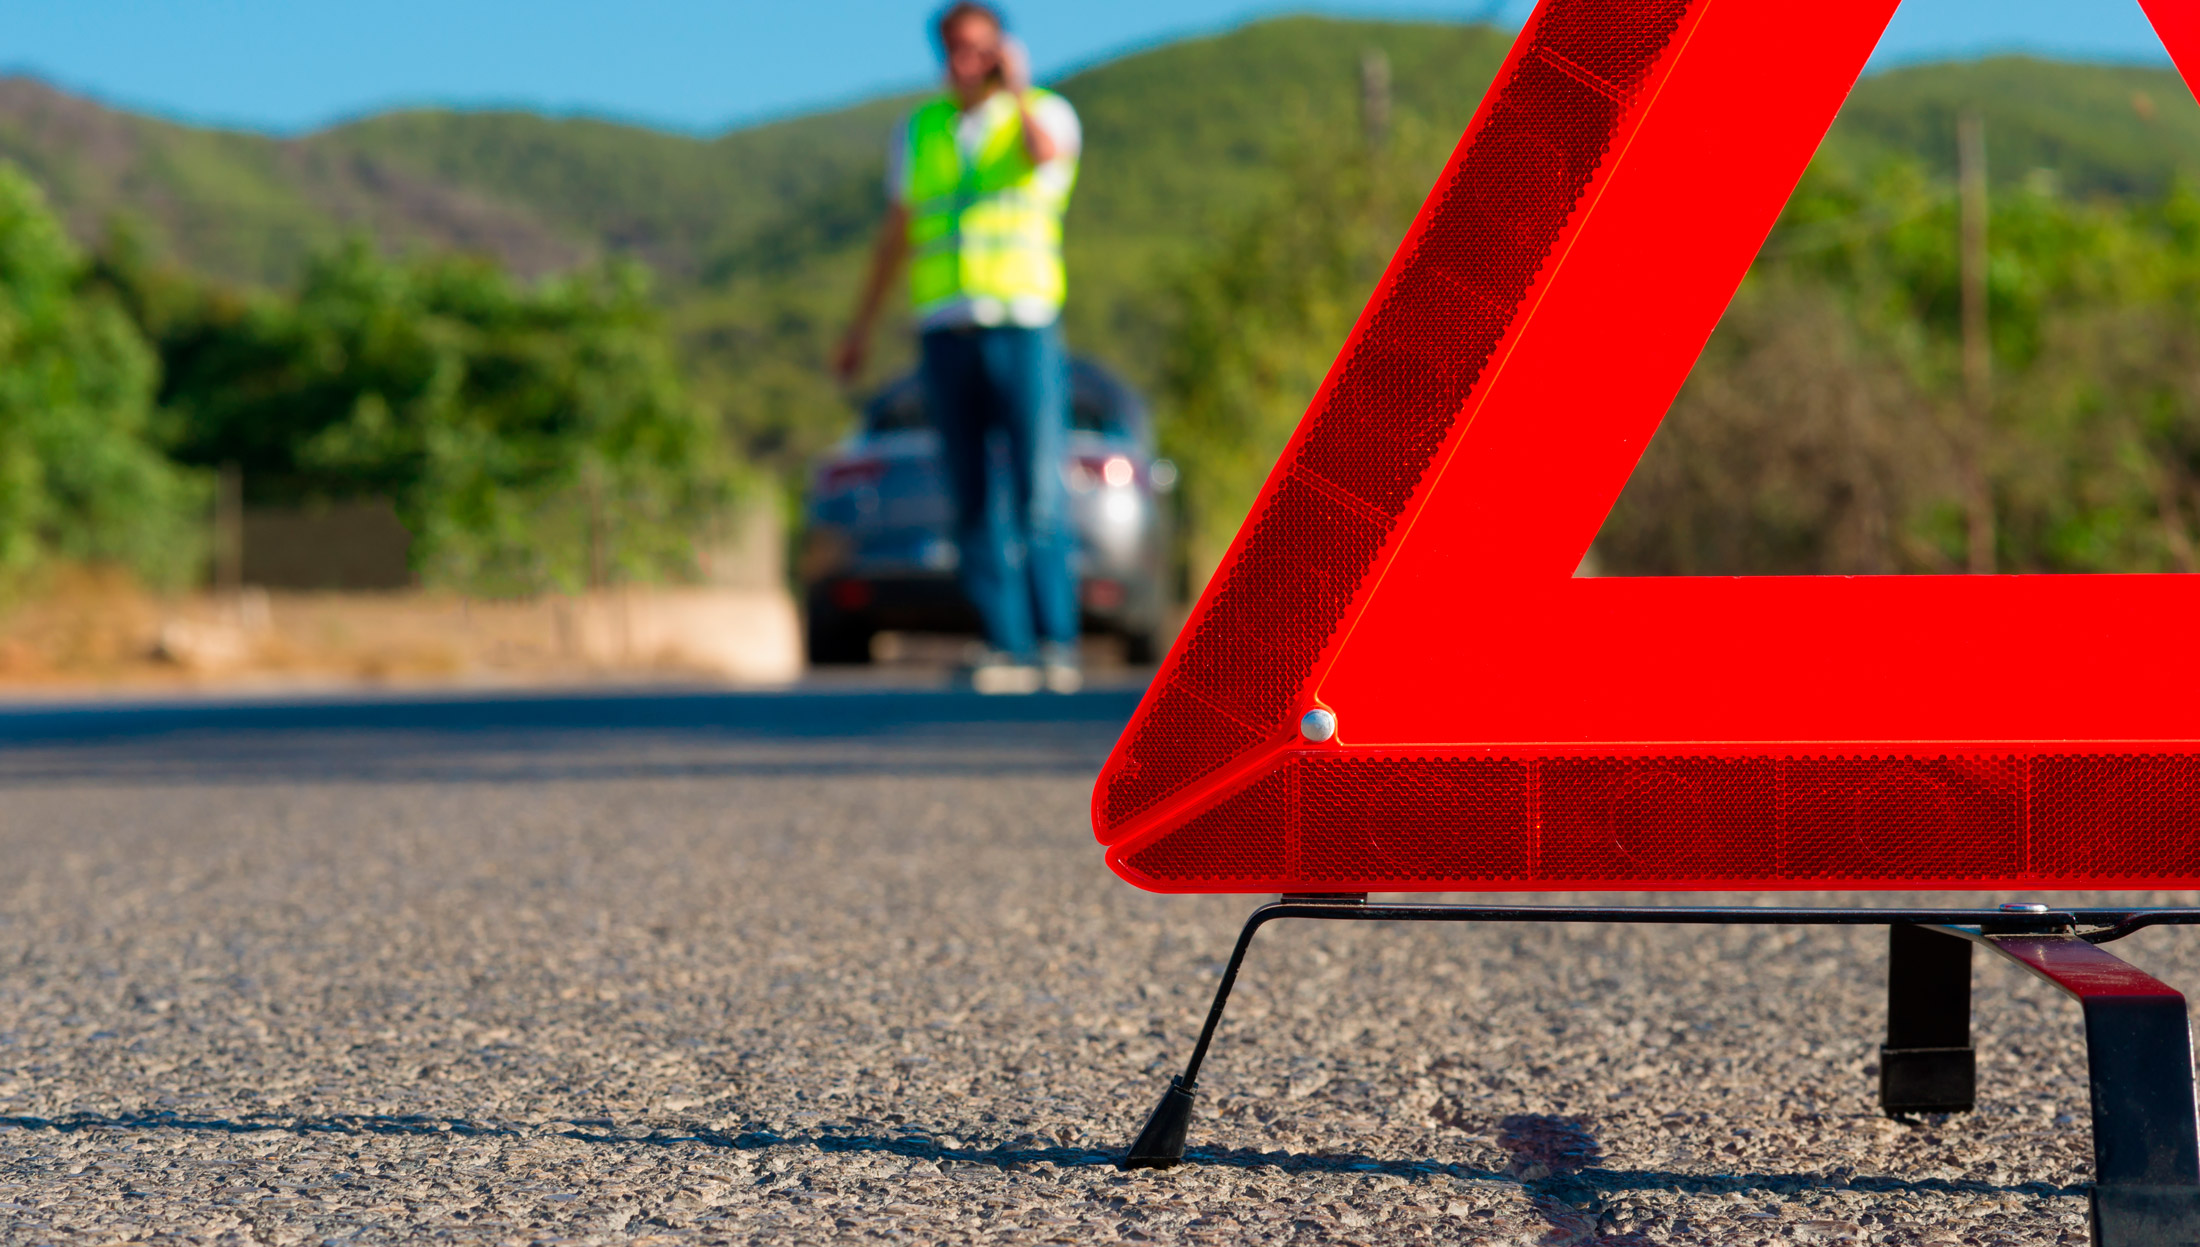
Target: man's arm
column 1016, row 77
column 886, row 257
column 1038, row 144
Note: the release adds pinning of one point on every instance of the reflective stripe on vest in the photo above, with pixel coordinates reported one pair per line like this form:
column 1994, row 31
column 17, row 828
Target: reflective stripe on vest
column 987, row 230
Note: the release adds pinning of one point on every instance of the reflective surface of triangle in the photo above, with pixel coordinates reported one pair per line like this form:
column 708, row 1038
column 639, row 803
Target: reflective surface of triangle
column 1502, row 725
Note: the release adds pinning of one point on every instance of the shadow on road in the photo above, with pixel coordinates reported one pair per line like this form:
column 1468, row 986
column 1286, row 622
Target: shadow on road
column 793, row 713
column 513, row 737
column 916, row 1143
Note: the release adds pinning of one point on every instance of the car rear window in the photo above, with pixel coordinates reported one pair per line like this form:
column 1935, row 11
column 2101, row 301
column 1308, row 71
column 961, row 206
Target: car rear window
column 1094, row 407
column 1090, row 409
column 899, row 409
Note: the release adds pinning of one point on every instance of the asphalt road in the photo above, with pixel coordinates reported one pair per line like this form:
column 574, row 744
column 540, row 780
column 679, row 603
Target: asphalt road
column 843, row 965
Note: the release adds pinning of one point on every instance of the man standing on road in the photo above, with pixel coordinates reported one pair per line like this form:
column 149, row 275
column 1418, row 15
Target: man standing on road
column 976, row 186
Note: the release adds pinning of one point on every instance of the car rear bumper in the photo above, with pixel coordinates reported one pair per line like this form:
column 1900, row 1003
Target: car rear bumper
column 903, row 603
column 934, row 602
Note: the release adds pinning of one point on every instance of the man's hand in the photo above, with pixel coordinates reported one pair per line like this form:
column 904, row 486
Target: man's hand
column 1015, row 66
column 848, row 355
column 1016, row 80
column 886, row 257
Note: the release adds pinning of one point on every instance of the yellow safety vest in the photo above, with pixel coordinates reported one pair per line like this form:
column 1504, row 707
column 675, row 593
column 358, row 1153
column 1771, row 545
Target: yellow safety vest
column 984, row 230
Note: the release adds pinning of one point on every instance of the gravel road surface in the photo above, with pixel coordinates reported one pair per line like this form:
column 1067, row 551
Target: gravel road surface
column 842, row 966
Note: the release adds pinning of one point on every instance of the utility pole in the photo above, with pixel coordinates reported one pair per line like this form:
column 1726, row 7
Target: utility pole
column 1374, row 98
column 1978, row 359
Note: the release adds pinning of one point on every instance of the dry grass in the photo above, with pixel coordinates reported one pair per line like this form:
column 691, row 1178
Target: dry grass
column 76, row 625
column 93, row 628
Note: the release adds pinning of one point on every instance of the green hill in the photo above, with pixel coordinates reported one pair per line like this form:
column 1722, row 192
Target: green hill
column 1175, row 134
column 757, row 234
column 2098, row 129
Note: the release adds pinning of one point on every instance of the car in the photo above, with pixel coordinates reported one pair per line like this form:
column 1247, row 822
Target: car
column 878, row 551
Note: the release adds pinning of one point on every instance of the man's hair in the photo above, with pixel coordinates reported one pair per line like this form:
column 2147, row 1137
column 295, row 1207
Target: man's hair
column 959, row 10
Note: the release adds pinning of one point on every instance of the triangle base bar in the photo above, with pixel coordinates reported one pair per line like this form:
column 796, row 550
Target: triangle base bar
column 2146, row 1134
column 1649, row 818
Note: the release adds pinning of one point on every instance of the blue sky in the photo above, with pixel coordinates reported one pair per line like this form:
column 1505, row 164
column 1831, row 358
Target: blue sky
column 289, row 65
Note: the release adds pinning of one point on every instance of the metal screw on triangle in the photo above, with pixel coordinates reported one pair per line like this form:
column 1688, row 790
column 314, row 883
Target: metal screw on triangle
column 1318, row 725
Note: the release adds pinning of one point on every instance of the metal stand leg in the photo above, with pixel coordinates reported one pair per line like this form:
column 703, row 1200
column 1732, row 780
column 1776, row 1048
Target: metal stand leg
column 2146, row 1137
column 1927, row 1064
column 1161, row 1143
column 2146, row 1145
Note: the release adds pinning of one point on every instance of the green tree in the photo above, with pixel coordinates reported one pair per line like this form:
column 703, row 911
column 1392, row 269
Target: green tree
column 80, row 477
column 531, row 438
column 1824, row 429
column 2093, row 327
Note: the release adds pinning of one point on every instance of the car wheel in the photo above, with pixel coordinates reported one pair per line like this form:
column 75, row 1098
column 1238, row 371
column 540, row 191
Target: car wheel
column 835, row 640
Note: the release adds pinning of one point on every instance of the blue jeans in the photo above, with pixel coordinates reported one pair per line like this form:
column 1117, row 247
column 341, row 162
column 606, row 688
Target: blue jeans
column 1000, row 399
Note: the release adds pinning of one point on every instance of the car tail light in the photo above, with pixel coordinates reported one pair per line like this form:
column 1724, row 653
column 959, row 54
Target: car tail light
column 1093, row 471
column 839, row 478
column 851, row 595
column 1103, row 595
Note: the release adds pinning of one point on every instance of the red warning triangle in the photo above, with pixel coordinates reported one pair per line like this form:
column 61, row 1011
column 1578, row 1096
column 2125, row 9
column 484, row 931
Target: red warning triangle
column 1503, row 725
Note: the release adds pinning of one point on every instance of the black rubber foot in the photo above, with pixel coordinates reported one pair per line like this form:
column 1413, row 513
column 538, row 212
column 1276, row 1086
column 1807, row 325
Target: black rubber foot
column 1161, row 1143
column 1927, row 1080
column 2145, row 1216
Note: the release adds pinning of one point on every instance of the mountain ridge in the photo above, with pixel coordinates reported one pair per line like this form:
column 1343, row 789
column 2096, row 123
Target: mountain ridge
column 543, row 192
column 757, row 234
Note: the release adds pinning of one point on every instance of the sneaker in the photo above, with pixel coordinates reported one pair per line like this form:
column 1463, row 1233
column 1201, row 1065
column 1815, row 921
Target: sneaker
column 1058, row 664
column 997, row 674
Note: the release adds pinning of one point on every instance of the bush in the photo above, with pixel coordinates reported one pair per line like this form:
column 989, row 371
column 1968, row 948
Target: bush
column 80, row 477
column 531, row 438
